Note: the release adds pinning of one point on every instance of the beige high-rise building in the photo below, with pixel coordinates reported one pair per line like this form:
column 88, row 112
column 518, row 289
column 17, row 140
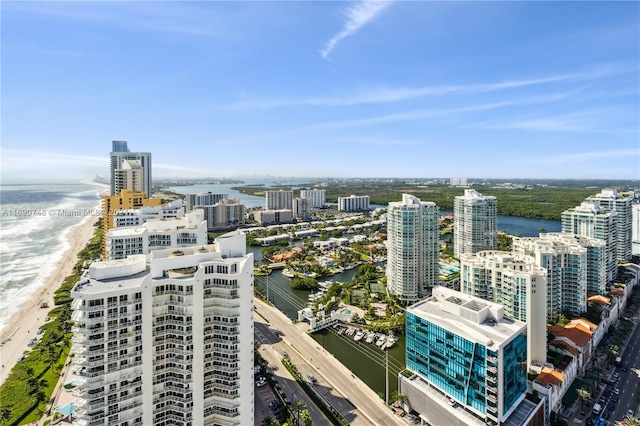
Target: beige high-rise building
column 140, row 161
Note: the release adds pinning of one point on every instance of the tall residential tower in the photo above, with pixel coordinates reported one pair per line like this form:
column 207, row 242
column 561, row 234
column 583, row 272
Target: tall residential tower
column 412, row 248
column 474, row 223
column 589, row 219
column 128, row 167
column 621, row 203
column 179, row 327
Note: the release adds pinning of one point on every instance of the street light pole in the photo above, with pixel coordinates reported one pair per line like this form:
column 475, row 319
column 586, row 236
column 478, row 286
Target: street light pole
column 386, row 377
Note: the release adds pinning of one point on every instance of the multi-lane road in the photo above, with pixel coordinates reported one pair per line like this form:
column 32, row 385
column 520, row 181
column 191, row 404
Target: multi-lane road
column 342, row 390
column 628, row 382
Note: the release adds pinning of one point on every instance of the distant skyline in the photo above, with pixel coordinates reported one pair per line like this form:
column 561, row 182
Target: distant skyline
column 328, row 89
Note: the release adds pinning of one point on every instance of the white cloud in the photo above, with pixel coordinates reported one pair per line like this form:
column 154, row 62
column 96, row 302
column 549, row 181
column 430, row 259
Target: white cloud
column 378, row 95
column 356, row 15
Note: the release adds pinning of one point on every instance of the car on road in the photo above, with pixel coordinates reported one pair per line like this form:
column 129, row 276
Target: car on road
column 20, row 358
column 312, row 378
column 452, row 402
column 630, row 412
column 624, row 368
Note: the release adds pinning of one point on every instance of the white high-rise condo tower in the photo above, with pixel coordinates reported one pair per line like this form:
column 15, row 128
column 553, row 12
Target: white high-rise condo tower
column 412, row 248
column 474, row 223
column 575, row 268
column 516, row 283
column 168, row 342
column 621, row 203
column 589, row 219
column 316, row 197
column 278, row 200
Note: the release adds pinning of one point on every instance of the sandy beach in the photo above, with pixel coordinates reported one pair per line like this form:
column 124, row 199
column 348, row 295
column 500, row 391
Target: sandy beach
column 25, row 323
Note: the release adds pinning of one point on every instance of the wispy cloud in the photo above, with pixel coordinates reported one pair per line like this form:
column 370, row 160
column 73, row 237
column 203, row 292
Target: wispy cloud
column 386, row 95
column 582, row 157
column 356, row 16
column 421, row 114
column 578, row 122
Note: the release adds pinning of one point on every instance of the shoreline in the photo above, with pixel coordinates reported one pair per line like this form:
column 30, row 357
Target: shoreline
column 23, row 325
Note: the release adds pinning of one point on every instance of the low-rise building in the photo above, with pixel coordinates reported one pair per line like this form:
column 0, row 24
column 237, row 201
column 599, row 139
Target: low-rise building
column 268, row 217
column 354, row 203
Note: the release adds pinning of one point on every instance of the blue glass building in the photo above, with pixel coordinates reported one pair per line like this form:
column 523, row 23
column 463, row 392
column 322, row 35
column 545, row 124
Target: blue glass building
column 465, row 348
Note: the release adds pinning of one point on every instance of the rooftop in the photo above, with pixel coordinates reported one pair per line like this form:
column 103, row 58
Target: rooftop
column 469, row 317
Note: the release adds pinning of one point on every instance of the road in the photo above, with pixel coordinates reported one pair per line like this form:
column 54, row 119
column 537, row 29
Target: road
column 269, row 339
column 629, row 381
column 351, row 397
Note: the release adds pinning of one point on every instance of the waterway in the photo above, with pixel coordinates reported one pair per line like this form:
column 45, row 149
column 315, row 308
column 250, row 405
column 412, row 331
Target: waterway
column 512, row 225
column 365, row 360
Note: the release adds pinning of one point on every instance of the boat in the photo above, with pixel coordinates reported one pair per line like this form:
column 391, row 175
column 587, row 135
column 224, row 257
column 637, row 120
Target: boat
column 359, row 335
column 288, row 273
column 381, row 340
column 341, row 331
column 389, row 343
column 370, row 337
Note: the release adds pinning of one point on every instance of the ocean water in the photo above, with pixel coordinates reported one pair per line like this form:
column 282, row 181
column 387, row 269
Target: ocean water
column 35, row 219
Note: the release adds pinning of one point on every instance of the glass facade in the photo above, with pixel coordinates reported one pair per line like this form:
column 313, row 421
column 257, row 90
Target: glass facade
column 455, row 365
column 465, row 370
column 514, row 370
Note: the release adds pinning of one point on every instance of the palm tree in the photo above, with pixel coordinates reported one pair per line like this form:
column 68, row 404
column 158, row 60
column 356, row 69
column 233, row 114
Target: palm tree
column 306, row 418
column 402, row 399
column 584, row 396
column 298, row 406
column 631, row 421
column 269, row 421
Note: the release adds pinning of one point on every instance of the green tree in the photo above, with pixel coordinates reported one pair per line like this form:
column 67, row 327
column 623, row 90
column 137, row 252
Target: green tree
column 305, row 418
column 5, row 414
column 584, row 396
column 298, row 406
column 631, row 421
column 269, row 421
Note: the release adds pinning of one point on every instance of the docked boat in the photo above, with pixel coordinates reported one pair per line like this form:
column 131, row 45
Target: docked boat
column 381, row 340
column 370, row 337
column 359, row 335
column 288, row 273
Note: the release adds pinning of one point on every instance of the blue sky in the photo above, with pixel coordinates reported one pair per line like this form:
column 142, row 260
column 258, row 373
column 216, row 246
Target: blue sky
column 325, row 89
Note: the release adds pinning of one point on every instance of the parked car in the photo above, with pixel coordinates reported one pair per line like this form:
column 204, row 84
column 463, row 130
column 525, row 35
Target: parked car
column 615, row 398
column 616, row 391
column 611, row 406
column 630, row 412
